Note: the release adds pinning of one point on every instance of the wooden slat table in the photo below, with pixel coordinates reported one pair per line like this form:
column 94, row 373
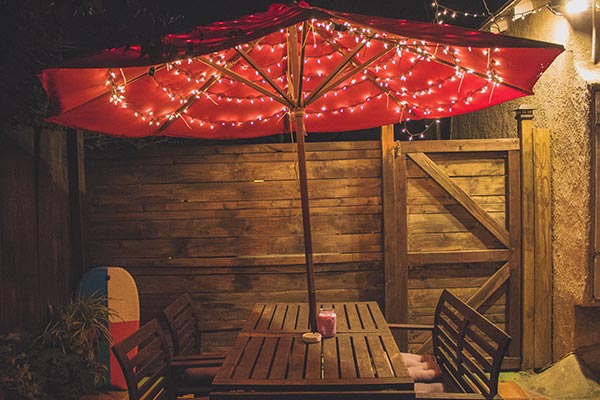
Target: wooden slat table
column 270, row 360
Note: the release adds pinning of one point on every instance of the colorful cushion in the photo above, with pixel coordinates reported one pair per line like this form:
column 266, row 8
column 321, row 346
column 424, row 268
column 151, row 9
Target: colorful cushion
column 412, row 360
column 422, row 368
column 419, row 374
column 436, row 387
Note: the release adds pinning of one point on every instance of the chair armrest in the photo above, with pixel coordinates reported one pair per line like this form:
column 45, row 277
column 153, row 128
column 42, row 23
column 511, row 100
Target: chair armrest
column 451, row 396
column 199, row 357
column 196, row 363
column 412, row 327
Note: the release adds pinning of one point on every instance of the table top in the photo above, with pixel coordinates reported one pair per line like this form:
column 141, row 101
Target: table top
column 278, row 318
column 270, row 354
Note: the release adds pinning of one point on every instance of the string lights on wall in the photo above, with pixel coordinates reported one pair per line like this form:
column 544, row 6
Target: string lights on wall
column 443, row 13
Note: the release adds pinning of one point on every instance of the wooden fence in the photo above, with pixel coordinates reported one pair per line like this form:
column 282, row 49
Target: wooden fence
column 38, row 264
column 223, row 223
column 392, row 222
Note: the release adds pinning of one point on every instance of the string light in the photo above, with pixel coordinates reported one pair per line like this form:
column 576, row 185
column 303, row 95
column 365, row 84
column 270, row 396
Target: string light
column 186, row 80
column 442, row 12
column 421, row 134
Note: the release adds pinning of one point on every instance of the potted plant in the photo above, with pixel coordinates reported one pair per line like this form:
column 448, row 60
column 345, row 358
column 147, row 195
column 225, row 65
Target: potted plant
column 60, row 363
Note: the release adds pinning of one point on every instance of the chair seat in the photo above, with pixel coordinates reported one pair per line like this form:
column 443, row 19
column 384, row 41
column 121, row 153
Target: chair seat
column 201, row 376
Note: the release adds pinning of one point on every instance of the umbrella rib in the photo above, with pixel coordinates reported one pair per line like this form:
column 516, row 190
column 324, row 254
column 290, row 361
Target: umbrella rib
column 316, row 94
column 192, row 99
column 262, row 73
column 300, row 79
column 319, row 90
column 285, row 101
column 297, row 64
column 370, row 75
column 293, row 78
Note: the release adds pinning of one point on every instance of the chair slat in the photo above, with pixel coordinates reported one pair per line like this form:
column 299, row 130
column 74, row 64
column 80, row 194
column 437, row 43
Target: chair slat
column 468, row 347
column 147, row 370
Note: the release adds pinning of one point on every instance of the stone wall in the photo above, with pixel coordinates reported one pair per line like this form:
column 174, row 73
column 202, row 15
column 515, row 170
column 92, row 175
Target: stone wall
column 563, row 103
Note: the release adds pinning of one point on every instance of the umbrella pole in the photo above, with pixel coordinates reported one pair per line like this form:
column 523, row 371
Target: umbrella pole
column 310, row 270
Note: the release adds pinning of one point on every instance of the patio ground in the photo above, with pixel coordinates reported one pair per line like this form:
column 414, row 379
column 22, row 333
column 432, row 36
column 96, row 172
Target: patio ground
column 509, row 390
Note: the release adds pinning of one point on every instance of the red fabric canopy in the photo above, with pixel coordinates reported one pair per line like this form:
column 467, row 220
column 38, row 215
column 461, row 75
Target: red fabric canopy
column 237, row 79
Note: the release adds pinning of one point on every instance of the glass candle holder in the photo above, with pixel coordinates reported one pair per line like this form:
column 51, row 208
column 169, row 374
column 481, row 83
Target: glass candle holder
column 326, row 322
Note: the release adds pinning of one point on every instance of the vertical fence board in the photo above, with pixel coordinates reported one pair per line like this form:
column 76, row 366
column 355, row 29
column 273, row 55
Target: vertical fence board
column 35, row 264
column 393, row 310
column 543, row 248
column 19, row 227
column 513, row 210
column 528, row 243
column 402, row 243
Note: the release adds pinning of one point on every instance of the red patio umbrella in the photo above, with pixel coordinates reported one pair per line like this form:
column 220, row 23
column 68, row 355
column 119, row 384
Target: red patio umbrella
column 294, row 67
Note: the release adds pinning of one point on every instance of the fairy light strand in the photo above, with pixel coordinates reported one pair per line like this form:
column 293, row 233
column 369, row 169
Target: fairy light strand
column 409, row 53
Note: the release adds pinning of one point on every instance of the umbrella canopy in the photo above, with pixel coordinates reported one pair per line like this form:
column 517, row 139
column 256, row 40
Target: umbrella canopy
column 293, row 67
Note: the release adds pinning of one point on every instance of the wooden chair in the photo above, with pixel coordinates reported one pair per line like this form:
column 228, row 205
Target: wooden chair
column 184, row 328
column 194, row 371
column 468, row 349
column 144, row 358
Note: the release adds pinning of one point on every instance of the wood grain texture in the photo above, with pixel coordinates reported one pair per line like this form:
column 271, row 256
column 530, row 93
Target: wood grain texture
column 543, row 247
column 463, row 225
column 223, row 223
column 35, row 235
column 528, row 242
column 456, row 191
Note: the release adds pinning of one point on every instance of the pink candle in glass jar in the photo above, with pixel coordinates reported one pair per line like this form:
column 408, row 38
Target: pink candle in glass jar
column 326, row 322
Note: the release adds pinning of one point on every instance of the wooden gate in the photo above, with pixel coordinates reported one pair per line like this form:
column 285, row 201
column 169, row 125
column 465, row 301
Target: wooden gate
column 457, row 222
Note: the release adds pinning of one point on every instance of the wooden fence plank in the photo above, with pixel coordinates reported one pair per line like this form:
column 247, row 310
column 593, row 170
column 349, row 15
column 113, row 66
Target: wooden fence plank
column 240, row 191
column 513, row 210
column 459, row 257
column 393, row 280
column 111, row 177
column 528, row 243
column 543, row 248
column 447, row 146
column 402, row 234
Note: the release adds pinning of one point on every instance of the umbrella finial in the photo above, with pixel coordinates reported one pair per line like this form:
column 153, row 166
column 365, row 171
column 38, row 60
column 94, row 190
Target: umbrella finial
column 524, row 111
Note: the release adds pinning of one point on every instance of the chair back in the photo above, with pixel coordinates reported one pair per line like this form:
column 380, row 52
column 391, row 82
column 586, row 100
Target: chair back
column 468, row 347
column 183, row 326
column 144, row 359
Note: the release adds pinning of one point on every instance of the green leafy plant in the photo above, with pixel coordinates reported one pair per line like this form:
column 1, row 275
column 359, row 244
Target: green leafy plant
column 77, row 327
column 61, row 362
column 16, row 376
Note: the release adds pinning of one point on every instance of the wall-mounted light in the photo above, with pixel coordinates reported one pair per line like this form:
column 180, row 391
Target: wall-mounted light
column 573, row 7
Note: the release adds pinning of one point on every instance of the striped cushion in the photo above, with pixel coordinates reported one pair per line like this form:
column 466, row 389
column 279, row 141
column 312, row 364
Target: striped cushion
column 436, row 387
column 422, row 368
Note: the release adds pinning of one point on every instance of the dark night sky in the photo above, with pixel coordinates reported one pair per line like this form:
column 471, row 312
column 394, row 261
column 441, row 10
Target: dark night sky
column 420, row 10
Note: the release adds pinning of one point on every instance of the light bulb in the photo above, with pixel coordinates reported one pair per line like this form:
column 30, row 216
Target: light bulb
column 577, row 6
